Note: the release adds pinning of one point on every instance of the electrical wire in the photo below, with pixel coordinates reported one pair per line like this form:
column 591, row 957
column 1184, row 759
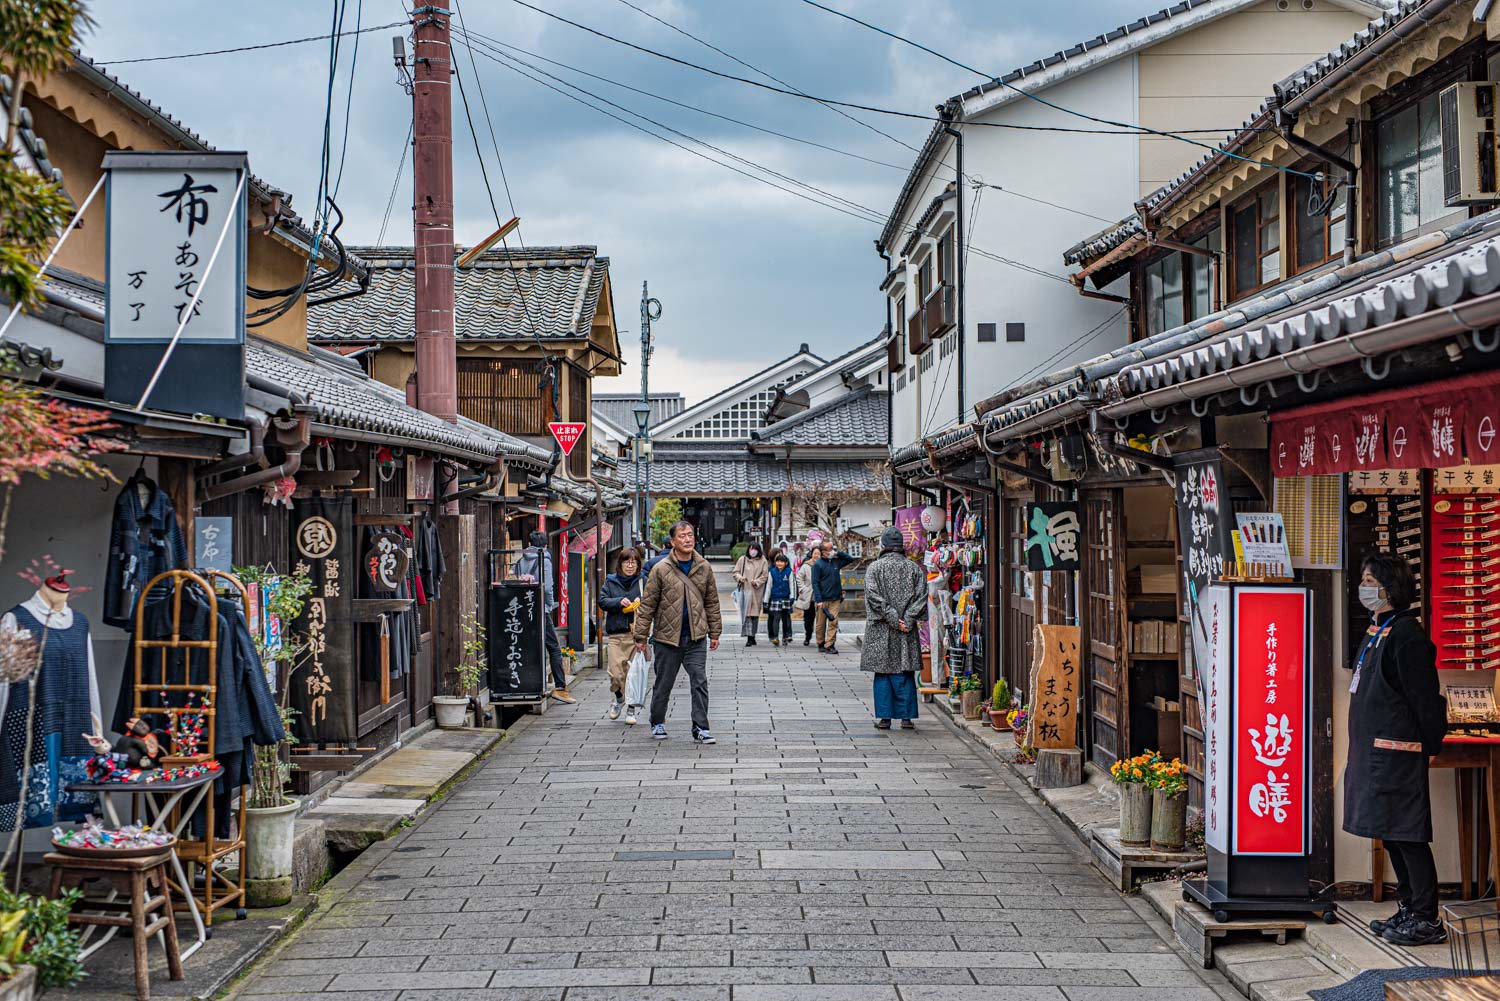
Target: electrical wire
column 390, row 202
column 953, row 355
column 1127, row 131
column 359, row 14
column 995, row 78
column 243, row 48
column 1076, row 342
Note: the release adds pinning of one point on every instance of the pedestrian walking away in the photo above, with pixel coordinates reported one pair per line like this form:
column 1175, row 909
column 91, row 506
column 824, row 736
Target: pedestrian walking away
column 781, row 594
column 803, row 603
column 828, row 595
column 895, row 601
column 679, row 616
column 1397, row 720
column 751, row 572
column 535, row 563
column 619, row 598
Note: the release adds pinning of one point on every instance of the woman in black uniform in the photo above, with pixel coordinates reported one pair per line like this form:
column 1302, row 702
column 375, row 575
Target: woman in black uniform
column 1397, row 719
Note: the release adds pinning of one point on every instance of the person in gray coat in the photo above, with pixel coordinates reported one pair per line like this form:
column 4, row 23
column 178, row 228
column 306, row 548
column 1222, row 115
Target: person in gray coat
column 895, row 602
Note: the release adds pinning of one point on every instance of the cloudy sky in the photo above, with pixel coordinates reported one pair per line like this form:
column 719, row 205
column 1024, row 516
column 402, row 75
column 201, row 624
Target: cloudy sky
column 745, row 272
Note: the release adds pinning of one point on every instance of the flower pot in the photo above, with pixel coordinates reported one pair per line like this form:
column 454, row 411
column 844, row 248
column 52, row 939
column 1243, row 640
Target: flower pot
column 21, row 986
column 270, row 834
column 970, row 705
column 451, row 711
column 1019, row 733
column 1135, row 814
column 1168, row 821
column 997, row 719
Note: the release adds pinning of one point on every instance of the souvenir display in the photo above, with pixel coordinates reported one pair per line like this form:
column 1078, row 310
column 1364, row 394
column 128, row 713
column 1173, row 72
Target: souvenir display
column 1466, row 581
column 91, row 834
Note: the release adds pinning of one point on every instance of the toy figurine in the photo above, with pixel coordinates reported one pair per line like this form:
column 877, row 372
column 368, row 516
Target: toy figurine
column 140, row 747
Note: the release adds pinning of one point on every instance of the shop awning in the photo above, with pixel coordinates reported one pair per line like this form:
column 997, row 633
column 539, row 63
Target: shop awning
column 1429, row 426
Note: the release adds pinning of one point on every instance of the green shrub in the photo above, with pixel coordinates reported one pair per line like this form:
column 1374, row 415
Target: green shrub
column 1000, row 698
column 53, row 947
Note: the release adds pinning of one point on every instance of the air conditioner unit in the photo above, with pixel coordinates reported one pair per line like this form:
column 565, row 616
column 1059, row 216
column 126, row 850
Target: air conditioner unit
column 1466, row 112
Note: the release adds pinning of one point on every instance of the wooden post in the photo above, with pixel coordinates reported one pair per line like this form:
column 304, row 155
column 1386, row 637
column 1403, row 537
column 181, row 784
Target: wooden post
column 456, row 533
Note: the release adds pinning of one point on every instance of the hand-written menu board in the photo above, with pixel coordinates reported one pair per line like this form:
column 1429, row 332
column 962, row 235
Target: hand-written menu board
column 516, row 641
column 1054, row 687
column 1203, row 520
column 1465, row 575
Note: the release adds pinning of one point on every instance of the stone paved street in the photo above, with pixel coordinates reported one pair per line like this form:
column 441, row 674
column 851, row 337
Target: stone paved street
column 806, row 857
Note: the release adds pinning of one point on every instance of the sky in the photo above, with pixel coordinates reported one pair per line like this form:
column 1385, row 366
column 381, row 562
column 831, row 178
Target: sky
column 744, row 272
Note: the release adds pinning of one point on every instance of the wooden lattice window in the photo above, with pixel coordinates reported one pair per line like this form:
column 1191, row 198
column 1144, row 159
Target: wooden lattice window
column 502, row 393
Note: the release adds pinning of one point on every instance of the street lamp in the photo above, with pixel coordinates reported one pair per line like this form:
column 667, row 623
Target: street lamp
column 642, row 411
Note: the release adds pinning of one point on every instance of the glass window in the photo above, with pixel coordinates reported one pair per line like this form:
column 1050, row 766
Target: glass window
column 1318, row 221
column 1245, row 266
column 1409, row 173
column 1201, row 275
column 1257, row 242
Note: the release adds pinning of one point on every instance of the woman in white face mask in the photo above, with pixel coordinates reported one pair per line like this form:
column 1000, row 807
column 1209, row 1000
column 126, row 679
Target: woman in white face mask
column 1397, row 719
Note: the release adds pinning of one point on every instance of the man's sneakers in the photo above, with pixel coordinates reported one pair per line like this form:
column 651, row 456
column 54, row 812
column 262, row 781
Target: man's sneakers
column 1415, row 931
column 703, row 736
column 561, row 695
column 659, row 731
column 615, row 707
column 1379, row 925
column 831, row 649
column 630, row 716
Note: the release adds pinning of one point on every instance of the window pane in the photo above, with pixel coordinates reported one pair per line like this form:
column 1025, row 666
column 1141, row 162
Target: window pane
column 1430, row 205
column 1245, row 257
column 1396, row 175
column 1336, row 236
column 1154, row 317
column 1268, row 202
column 1202, row 292
column 1310, row 245
column 1270, row 235
column 1270, row 268
column 1171, row 291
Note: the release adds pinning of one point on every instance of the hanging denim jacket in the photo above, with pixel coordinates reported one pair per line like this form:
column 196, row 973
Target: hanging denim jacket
column 144, row 540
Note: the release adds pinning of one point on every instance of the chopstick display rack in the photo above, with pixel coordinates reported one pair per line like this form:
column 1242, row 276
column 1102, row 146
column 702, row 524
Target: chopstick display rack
column 219, row 890
column 1465, row 574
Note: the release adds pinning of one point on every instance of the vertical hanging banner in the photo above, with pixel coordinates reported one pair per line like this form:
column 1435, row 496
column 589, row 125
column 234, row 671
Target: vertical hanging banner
column 1204, row 519
column 1211, row 654
column 166, row 212
column 1271, row 748
column 561, row 583
column 324, row 690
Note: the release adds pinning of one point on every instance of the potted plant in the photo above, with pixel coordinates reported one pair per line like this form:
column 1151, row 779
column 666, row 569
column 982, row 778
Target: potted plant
column 270, row 814
column 1019, row 720
column 1133, row 776
column 970, row 697
column 452, row 709
column 37, row 946
column 1000, row 706
column 1169, row 805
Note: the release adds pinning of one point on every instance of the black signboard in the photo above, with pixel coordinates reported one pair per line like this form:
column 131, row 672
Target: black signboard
column 1053, row 533
column 1205, row 519
column 325, row 687
column 517, row 654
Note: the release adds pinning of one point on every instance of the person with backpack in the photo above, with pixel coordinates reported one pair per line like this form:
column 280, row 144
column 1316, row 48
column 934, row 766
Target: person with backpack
column 679, row 615
column 619, row 598
column 536, row 564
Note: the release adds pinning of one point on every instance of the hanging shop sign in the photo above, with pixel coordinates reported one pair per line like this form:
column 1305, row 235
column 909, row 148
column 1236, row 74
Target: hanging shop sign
column 1431, row 426
column 1204, row 519
column 913, row 535
column 1257, row 749
column 564, row 595
column 386, row 560
column 213, row 543
column 1054, row 687
column 166, row 213
column 1055, row 532
column 324, row 689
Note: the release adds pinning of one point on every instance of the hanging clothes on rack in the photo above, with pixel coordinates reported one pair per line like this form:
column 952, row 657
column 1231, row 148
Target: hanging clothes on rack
column 67, row 701
column 144, row 540
column 430, row 563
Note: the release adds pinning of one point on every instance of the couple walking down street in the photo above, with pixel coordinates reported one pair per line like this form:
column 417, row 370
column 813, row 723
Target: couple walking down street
column 675, row 607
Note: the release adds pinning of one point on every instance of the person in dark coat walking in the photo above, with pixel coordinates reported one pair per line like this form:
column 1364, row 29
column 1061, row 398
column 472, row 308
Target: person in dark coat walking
column 895, row 601
column 1397, row 720
column 620, row 597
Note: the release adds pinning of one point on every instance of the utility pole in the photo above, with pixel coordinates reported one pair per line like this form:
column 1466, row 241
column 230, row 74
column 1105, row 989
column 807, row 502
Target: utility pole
column 432, row 206
column 650, row 310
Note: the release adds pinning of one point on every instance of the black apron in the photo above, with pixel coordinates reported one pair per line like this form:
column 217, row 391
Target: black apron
column 1395, row 722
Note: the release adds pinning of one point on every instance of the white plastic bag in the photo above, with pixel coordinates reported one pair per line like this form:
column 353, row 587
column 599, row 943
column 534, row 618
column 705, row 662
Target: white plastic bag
column 636, row 679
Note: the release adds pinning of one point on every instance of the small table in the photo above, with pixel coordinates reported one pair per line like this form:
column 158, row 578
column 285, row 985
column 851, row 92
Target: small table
column 160, row 799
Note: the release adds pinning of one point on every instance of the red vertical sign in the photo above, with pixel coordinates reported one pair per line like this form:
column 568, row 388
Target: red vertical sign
column 562, row 580
column 1270, row 738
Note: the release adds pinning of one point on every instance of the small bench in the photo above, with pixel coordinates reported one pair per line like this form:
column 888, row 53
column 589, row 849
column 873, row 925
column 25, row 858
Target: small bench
column 146, row 907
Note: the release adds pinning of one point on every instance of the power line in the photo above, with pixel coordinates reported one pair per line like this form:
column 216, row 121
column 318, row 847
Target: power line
column 246, row 48
column 359, row 14
column 1051, row 104
column 1042, row 201
column 390, row 202
column 1076, row 342
column 1126, row 131
column 489, row 42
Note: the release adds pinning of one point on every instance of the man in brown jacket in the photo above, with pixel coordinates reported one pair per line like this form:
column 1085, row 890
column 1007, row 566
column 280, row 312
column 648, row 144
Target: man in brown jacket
column 679, row 614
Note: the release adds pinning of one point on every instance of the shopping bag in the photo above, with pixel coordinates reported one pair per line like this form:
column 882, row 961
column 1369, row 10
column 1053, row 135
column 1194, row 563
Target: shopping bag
column 636, row 678
column 739, row 600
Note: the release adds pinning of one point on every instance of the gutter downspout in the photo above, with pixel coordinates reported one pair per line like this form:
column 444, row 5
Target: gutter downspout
column 958, row 253
column 255, row 456
column 293, row 436
column 1286, row 124
column 488, row 480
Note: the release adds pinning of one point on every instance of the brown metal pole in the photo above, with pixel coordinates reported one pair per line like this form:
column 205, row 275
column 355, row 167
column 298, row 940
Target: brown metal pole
column 598, row 569
column 432, row 188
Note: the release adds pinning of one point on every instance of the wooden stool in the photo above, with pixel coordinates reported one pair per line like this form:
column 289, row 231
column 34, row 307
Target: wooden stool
column 146, row 909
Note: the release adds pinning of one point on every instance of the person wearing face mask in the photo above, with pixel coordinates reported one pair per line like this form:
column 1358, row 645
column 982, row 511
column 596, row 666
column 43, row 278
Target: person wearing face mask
column 1397, row 719
column 751, row 573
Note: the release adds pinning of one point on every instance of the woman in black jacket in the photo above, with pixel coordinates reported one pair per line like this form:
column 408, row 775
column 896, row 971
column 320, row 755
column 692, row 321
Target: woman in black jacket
column 1397, row 719
column 619, row 598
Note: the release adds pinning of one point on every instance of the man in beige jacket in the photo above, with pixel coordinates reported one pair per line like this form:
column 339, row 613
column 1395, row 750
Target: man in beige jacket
column 679, row 614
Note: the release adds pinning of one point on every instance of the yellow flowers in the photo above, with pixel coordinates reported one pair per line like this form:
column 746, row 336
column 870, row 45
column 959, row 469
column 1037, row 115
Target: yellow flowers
column 1151, row 770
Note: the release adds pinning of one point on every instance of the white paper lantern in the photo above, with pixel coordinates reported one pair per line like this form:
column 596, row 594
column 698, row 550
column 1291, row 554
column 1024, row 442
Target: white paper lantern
column 933, row 518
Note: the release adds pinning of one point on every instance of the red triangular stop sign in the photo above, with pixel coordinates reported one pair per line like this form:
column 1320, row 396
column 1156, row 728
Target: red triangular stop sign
column 567, row 433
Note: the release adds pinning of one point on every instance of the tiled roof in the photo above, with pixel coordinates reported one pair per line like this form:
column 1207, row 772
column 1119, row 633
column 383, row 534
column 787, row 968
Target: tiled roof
column 32, row 145
column 549, row 292
column 861, row 418
column 1319, row 68
column 339, row 395
column 617, row 407
column 1093, row 247
column 722, row 473
column 259, row 189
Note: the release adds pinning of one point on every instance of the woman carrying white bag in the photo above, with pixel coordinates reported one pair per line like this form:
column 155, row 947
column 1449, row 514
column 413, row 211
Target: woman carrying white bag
column 619, row 598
